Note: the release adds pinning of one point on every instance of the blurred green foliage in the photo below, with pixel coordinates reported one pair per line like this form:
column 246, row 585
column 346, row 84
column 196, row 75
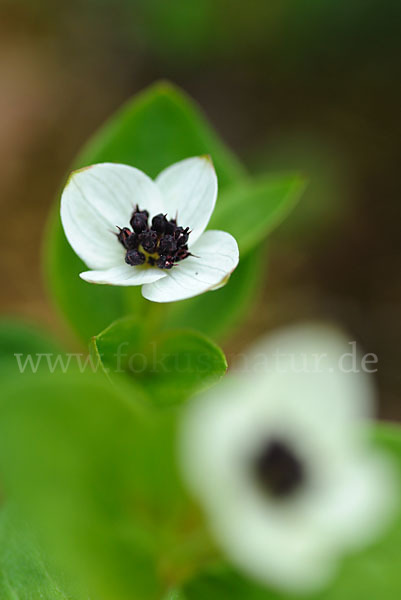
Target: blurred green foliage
column 94, row 476
column 17, row 341
column 326, row 201
column 250, row 212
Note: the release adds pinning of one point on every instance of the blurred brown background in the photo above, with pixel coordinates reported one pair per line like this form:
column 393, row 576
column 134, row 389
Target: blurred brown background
column 310, row 85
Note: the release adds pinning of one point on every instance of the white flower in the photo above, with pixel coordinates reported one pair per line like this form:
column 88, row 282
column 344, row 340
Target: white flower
column 278, row 460
column 132, row 230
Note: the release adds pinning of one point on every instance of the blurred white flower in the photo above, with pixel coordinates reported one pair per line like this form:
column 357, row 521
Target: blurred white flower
column 278, row 459
column 134, row 231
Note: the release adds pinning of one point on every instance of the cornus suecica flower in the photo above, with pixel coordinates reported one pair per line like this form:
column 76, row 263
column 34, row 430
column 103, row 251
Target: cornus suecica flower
column 277, row 458
column 132, row 230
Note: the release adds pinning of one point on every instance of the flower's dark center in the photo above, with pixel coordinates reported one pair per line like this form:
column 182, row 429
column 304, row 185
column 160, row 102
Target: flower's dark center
column 277, row 469
column 162, row 244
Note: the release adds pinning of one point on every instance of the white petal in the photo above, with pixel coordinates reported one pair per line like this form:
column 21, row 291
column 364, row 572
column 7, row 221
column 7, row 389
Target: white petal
column 361, row 501
column 291, row 556
column 97, row 199
column 189, row 190
column 317, row 364
column 216, row 256
column 123, row 275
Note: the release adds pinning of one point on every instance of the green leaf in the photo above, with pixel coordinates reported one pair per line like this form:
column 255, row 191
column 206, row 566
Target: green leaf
column 155, row 129
column 217, row 313
column 372, row 573
column 250, row 210
column 18, row 341
column 160, row 126
column 170, row 366
column 185, row 362
column 25, row 571
column 84, row 474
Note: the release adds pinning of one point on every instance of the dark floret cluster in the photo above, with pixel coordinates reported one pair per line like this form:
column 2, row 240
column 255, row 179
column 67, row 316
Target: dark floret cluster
column 161, row 244
column 278, row 470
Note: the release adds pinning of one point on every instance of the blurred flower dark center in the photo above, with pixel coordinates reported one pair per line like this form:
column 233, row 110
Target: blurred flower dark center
column 161, row 244
column 278, row 471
